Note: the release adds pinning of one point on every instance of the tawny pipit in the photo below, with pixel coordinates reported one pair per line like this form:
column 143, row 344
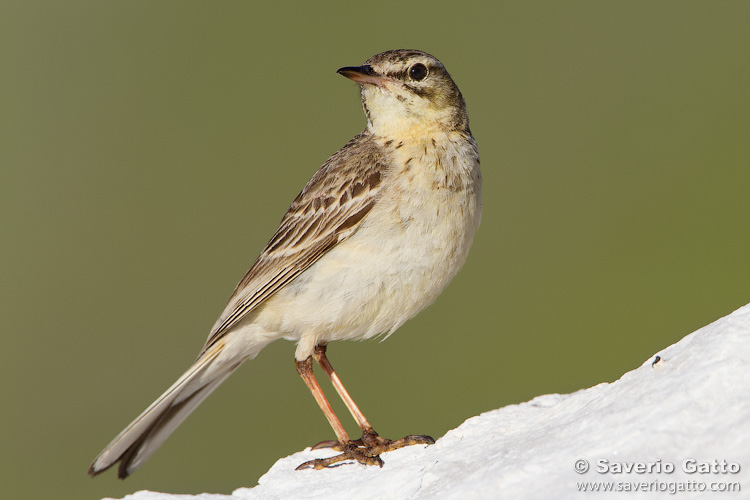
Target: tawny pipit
column 372, row 239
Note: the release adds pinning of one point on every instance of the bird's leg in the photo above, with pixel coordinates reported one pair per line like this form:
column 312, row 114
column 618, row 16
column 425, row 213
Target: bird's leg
column 305, row 370
column 370, row 440
column 320, row 356
column 350, row 450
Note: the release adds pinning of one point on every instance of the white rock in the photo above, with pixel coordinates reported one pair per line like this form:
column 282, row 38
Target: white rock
column 694, row 403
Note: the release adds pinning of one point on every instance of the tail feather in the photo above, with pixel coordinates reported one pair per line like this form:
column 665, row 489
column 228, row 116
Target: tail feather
column 135, row 444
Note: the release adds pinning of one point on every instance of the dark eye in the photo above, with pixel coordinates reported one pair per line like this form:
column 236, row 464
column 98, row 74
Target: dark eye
column 418, row 72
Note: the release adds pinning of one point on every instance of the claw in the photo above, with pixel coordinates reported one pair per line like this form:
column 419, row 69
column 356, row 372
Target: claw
column 331, row 443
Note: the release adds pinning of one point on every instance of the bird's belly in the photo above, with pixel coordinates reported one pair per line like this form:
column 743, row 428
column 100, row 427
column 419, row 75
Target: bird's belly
column 396, row 264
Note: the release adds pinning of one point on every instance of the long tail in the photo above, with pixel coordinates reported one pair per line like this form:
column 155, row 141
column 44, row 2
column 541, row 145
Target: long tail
column 135, row 444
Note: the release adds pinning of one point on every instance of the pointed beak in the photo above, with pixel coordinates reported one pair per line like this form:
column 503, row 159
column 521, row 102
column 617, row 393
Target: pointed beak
column 362, row 74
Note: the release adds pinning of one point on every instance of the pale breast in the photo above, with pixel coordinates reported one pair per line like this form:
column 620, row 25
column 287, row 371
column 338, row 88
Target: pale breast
column 406, row 251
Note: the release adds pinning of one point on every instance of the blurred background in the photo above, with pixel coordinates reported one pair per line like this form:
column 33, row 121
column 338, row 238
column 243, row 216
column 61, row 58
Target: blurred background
column 149, row 149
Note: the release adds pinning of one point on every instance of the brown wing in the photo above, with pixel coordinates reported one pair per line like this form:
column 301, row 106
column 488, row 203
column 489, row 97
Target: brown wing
column 327, row 211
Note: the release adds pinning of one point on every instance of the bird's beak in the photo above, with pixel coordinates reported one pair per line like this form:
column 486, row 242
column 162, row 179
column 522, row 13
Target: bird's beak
column 362, row 74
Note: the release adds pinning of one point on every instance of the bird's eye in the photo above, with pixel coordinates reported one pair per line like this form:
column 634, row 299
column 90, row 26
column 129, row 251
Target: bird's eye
column 418, row 72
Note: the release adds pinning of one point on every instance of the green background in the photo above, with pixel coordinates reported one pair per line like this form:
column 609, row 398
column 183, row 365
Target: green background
column 148, row 150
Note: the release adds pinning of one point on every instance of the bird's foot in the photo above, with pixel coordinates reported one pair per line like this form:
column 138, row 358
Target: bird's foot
column 350, row 452
column 365, row 450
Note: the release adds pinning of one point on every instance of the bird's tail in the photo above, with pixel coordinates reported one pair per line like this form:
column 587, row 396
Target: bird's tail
column 135, row 444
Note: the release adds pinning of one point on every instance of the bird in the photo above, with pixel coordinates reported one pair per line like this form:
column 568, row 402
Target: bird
column 372, row 239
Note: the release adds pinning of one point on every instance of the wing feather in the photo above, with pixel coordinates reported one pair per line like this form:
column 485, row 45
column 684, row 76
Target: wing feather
column 328, row 210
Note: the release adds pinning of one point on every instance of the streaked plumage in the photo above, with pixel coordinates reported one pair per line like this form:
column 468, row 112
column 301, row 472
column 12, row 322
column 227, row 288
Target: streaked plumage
column 327, row 211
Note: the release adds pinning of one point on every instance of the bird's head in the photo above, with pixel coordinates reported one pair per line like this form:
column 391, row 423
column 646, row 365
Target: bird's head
column 408, row 92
